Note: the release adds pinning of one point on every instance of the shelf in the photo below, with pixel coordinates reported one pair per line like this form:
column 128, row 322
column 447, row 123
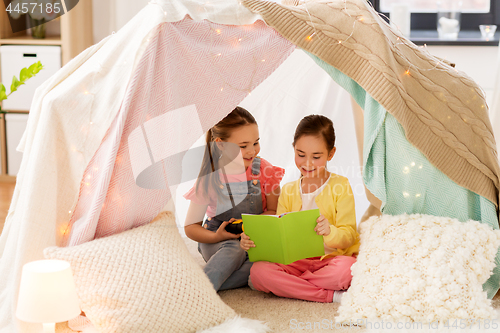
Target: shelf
column 15, row 111
column 7, row 179
column 28, row 40
column 465, row 38
column 72, row 32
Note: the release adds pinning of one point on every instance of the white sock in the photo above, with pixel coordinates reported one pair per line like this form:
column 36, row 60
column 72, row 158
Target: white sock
column 250, row 284
column 337, row 296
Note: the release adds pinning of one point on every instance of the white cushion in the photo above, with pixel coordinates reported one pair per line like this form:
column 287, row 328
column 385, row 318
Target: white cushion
column 421, row 268
column 143, row 280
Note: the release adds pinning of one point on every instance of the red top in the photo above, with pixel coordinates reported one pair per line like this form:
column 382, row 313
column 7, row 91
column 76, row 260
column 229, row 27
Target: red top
column 270, row 177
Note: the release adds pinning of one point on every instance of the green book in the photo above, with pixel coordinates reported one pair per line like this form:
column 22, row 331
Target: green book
column 283, row 239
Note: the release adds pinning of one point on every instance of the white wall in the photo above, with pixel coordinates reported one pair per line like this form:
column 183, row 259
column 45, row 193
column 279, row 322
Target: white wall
column 125, row 10
column 111, row 15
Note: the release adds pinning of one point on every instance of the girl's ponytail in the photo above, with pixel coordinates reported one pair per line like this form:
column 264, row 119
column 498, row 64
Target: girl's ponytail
column 209, row 175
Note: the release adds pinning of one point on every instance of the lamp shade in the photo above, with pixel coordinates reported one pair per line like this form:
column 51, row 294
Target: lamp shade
column 47, row 293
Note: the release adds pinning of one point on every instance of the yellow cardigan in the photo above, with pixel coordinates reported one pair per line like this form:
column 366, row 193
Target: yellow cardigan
column 336, row 203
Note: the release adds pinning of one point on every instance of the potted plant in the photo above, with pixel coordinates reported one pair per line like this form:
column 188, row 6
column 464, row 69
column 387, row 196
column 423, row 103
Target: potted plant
column 39, row 12
column 25, row 74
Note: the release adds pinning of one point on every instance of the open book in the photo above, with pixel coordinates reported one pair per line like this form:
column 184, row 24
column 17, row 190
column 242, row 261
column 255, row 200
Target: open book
column 283, row 239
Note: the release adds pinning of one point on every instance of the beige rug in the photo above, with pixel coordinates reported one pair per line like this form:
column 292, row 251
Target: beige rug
column 282, row 314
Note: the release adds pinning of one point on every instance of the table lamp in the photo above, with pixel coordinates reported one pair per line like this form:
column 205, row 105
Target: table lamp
column 47, row 294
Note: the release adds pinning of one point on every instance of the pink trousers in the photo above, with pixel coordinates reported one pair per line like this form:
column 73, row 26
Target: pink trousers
column 309, row 279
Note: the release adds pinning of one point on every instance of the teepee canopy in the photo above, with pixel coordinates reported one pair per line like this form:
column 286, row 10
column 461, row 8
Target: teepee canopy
column 123, row 112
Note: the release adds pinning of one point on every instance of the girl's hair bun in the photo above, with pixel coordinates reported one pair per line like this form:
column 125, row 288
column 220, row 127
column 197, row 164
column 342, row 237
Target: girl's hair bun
column 317, row 125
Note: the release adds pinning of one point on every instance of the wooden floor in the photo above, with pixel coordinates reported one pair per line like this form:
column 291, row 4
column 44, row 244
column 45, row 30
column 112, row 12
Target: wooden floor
column 6, row 192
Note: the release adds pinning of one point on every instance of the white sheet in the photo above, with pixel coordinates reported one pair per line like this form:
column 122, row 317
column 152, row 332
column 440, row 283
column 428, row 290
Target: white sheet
column 66, row 125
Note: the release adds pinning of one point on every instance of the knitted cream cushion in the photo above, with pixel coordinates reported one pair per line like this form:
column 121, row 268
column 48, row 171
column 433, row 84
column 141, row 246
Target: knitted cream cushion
column 143, row 280
column 421, row 268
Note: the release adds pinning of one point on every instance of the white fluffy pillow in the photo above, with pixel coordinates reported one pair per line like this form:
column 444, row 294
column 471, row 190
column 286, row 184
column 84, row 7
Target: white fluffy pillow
column 143, row 280
column 421, row 268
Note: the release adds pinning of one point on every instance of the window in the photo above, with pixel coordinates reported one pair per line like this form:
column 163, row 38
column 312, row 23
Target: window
column 423, row 17
column 431, row 6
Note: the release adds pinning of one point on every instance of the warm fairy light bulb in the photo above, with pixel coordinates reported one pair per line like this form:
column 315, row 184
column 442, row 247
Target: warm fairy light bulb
column 218, row 31
column 340, row 42
column 407, row 72
column 221, row 88
column 63, row 229
column 70, row 212
column 263, row 60
column 91, row 123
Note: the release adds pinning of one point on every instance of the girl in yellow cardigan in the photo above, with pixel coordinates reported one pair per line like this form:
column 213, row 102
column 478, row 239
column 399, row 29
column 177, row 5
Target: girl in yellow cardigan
column 319, row 279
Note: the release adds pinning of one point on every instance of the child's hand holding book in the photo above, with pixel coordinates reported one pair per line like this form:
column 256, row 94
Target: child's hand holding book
column 246, row 242
column 323, row 226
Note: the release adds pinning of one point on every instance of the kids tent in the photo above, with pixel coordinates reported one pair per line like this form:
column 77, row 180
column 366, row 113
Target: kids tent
column 107, row 133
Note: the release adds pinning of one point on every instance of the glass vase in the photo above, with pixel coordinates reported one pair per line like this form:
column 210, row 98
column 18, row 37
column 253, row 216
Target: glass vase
column 37, row 28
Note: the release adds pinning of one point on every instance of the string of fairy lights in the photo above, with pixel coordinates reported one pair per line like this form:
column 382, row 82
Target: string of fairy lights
column 216, row 30
column 85, row 182
column 399, row 39
column 439, row 65
column 436, row 64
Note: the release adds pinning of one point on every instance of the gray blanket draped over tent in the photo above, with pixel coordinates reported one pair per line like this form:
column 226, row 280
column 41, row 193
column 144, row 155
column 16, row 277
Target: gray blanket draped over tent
column 442, row 111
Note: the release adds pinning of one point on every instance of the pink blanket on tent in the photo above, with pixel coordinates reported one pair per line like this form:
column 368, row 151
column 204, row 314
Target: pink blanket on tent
column 175, row 95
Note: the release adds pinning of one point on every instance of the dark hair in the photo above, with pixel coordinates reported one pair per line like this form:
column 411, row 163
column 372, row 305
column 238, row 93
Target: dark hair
column 316, row 125
column 222, row 130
